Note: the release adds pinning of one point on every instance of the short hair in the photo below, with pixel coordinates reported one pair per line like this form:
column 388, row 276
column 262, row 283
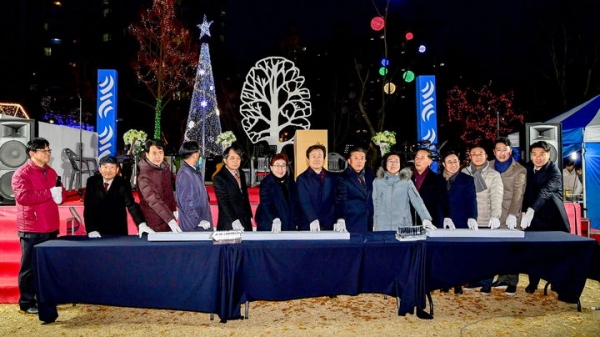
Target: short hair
column 569, row 162
column 188, row 149
column 540, row 145
column 388, row 155
column 429, row 152
column 235, row 149
column 503, row 140
column 279, row 156
column 356, row 149
column 450, row 153
column 37, row 144
column 108, row 160
column 316, row 147
column 153, row 142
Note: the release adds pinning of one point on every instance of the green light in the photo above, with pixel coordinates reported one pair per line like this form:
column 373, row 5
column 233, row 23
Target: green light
column 383, row 71
column 408, row 76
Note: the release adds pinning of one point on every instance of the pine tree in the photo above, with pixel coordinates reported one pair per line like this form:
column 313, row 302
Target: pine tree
column 203, row 123
column 166, row 58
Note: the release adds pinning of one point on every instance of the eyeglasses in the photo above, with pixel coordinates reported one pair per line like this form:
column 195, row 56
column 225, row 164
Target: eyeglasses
column 279, row 166
column 44, row 150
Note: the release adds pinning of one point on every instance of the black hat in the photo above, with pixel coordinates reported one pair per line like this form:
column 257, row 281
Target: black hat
column 108, row 160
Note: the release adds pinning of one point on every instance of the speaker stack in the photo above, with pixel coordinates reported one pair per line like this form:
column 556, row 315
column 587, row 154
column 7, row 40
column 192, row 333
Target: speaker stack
column 14, row 135
column 551, row 134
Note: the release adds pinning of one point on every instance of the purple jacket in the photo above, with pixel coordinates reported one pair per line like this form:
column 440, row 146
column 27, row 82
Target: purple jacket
column 157, row 199
column 192, row 199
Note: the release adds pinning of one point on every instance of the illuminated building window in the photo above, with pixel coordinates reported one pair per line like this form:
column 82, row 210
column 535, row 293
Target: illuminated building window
column 106, row 37
column 47, row 51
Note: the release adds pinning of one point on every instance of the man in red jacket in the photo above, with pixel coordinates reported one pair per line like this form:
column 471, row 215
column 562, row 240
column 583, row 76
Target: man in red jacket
column 37, row 194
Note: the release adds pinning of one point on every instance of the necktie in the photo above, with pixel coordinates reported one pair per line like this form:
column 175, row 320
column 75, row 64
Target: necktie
column 237, row 178
column 105, row 187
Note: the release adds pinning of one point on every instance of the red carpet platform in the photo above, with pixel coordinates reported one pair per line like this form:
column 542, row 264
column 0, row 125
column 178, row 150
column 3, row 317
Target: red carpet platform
column 10, row 250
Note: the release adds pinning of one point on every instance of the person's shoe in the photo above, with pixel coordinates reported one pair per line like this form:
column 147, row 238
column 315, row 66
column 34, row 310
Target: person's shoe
column 444, row 290
column 486, row 290
column 510, row 291
column 31, row 311
column 500, row 285
column 471, row 286
column 530, row 289
column 458, row 290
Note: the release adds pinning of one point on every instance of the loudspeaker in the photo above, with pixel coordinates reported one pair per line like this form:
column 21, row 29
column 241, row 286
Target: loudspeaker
column 14, row 135
column 551, row 134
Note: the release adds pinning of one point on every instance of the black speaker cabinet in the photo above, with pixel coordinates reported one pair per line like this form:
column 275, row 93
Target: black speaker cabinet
column 14, row 135
column 551, row 134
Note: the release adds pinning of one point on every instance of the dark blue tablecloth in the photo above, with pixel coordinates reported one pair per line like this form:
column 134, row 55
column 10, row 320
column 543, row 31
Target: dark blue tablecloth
column 562, row 259
column 200, row 276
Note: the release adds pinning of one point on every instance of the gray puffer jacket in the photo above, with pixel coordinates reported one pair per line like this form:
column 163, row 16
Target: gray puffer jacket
column 391, row 197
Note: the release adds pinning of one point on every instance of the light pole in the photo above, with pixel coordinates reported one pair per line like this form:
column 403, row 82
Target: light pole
column 80, row 191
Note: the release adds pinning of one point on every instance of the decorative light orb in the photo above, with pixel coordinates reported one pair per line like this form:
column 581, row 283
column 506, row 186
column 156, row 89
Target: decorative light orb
column 385, row 62
column 422, row 48
column 377, row 23
column 203, row 104
column 191, row 125
column 383, row 71
column 409, row 36
column 408, row 76
column 389, row 88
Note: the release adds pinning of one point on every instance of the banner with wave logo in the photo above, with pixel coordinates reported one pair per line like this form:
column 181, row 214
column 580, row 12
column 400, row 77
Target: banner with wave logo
column 106, row 116
column 426, row 109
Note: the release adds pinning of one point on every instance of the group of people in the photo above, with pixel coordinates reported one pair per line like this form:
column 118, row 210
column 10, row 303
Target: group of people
column 500, row 193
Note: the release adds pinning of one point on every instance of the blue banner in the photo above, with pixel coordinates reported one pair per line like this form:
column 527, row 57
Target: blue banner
column 427, row 114
column 106, row 112
column 426, row 109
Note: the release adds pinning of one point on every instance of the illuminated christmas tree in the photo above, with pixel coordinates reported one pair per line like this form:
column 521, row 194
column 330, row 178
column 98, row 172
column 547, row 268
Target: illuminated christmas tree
column 203, row 124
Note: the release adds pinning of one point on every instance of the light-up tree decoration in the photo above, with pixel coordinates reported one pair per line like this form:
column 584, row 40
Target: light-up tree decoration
column 273, row 99
column 166, row 59
column 203, row 124
column 485, row 115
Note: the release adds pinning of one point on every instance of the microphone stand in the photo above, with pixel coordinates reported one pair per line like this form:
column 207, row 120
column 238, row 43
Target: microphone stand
column 80, row 190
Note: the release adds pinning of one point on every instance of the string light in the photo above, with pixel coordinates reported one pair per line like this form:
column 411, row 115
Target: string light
column 204, row 125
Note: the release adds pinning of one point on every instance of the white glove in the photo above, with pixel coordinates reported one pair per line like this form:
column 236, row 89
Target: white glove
column 427, row 224
column 56, row 194
column 276, row 227
column 526, row 220
column 237, row 225
column 176, row 215
column 472, row 223
column 94, row 235
column 315, row 226
column 448, row 223
column 340, row 226
column 494, row 223
column 143, row 228
column 511, row 221
column 174, row 226
column 204, row 224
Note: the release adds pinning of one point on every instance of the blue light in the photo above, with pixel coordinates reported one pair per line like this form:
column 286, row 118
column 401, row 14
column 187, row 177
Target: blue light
column 385, row 62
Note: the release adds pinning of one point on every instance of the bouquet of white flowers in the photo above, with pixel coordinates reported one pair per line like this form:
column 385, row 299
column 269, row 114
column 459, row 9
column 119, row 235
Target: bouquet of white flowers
column 385, row 137
column 135, row 139
column 384, row 140
column 226, row 137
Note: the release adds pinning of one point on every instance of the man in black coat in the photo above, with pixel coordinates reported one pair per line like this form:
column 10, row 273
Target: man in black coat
column 106, row 197
column 543, row 200
column 232, row 193
column 432, row 188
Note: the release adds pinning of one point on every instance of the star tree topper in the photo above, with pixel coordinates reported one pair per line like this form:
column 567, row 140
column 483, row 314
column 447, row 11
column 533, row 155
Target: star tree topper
column 204, row 27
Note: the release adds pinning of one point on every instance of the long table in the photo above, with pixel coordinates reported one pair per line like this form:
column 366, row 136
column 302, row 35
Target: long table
column 200, row 276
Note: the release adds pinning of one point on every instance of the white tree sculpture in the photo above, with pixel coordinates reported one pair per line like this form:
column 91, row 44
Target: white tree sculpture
column 273, row 99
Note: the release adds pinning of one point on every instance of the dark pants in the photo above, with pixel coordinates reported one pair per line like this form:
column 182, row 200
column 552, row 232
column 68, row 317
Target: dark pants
column 26, row 273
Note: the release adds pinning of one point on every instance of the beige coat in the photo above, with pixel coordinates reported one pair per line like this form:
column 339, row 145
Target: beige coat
column 489, row 201
column 514, row 180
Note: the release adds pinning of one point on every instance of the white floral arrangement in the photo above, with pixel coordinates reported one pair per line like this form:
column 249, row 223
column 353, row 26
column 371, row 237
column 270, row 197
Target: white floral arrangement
column 384, row 137
column 226, row 137
column 135, row 139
